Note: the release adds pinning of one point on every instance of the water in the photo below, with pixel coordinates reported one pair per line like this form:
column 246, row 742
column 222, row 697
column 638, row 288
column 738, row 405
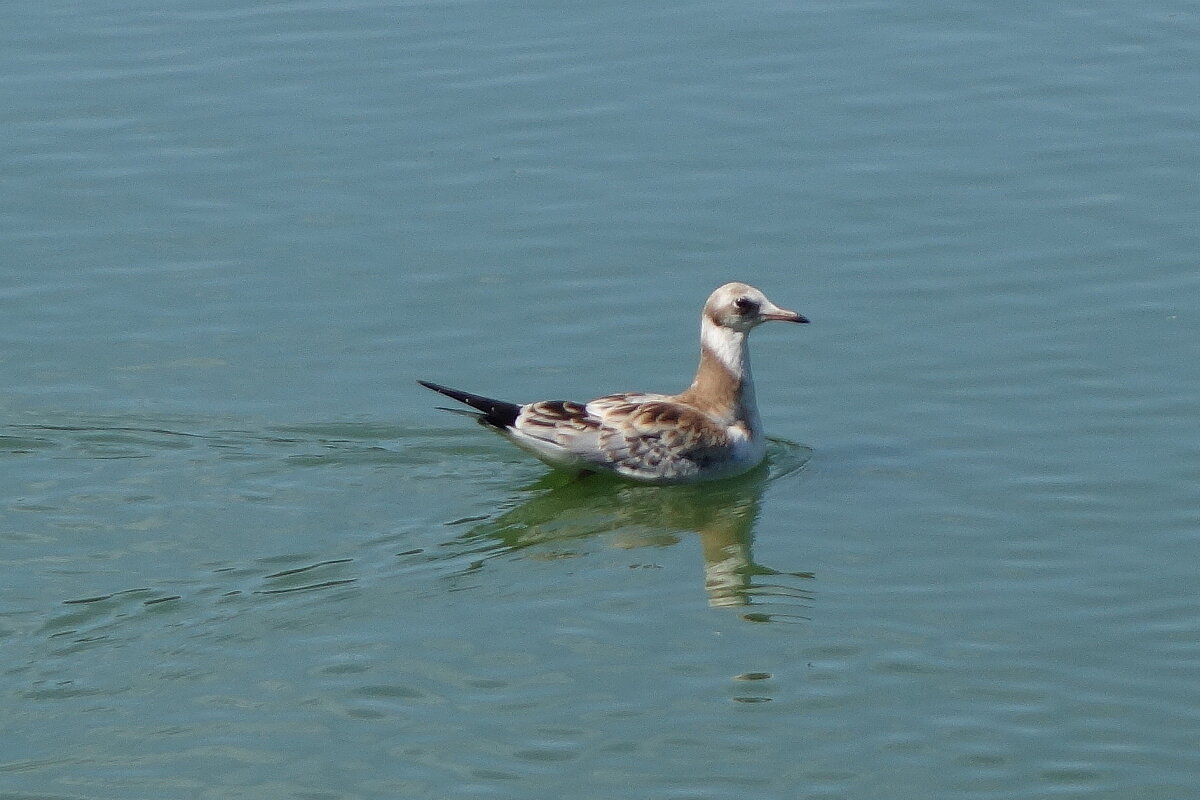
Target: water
column 243, row 556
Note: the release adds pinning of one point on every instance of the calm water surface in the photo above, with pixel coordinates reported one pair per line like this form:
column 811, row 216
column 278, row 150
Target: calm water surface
column 243, row 556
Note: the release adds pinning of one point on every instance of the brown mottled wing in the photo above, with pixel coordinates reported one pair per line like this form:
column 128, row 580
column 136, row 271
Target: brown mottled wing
column 649, row 437
column 557, row 421
column 557, row 431
column 659, row 439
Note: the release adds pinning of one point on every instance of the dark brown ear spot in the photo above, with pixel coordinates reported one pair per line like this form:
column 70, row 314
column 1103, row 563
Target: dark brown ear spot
column 745, row 305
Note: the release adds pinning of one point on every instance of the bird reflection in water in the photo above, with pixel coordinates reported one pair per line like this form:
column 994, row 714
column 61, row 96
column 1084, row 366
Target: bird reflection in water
column 564, row 512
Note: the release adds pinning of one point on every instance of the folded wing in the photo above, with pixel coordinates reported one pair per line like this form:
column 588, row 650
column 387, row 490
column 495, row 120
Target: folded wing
column 649, row 437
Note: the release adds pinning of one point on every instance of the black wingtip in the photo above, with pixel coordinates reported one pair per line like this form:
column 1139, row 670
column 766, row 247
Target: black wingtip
column 497, row 413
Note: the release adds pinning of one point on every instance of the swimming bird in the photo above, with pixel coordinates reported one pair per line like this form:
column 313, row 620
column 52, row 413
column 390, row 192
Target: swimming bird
column 709, row 430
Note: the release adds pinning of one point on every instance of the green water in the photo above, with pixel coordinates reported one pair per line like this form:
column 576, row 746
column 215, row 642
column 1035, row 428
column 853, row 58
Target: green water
column 243, row 555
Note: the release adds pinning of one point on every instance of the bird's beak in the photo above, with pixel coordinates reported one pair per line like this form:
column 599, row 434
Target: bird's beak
column 774, row 313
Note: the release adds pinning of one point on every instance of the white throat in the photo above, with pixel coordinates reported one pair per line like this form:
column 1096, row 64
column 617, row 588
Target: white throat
column 729, row 347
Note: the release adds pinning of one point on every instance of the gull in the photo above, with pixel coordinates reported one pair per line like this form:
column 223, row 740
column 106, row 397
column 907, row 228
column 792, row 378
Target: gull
column 710, row 430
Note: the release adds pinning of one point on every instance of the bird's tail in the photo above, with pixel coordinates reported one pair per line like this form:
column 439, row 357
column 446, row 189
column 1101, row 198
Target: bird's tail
column 496, row 413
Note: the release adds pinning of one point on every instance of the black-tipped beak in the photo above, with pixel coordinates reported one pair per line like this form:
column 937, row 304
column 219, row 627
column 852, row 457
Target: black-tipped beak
column 783, row 315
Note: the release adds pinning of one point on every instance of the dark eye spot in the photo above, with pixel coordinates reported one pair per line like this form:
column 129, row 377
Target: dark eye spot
column 745, row 305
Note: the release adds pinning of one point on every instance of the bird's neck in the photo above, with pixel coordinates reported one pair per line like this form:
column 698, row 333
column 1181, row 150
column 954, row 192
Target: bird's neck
column 723, row 388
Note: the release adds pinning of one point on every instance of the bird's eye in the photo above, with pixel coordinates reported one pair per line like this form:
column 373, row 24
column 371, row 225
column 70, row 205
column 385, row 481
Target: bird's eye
column 745, row 305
